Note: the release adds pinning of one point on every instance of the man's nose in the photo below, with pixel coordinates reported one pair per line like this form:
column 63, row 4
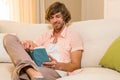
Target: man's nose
column 54, row 19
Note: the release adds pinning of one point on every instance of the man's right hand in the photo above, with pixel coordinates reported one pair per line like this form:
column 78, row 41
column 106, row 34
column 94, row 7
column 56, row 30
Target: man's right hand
column 28, row 45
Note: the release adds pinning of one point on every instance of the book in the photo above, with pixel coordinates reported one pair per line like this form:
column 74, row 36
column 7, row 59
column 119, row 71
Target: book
column 39, row 55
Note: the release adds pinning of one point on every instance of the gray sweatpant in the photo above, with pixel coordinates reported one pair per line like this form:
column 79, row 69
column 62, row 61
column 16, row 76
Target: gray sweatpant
column 21, row 59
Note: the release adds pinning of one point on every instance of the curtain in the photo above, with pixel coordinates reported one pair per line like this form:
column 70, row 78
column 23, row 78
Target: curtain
column 26, row 11
column 22, row 10
column 40, row 11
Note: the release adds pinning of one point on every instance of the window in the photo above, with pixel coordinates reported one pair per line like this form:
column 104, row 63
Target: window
column 4, row 10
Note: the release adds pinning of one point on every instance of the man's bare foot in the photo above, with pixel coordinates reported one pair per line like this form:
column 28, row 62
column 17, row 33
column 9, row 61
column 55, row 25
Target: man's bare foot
column 32, row 73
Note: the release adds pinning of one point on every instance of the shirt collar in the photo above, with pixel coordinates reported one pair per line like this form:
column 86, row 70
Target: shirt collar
column 62, row 33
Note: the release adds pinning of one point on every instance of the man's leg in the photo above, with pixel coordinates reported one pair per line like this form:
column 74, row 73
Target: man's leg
column 18, row 55
column 15, row 49
column 20, row 58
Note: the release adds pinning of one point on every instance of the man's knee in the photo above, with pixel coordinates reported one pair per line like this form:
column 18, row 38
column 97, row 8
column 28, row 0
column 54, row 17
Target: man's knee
column 9, row 38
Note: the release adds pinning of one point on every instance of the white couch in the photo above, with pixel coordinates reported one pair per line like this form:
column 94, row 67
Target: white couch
column 97, row 36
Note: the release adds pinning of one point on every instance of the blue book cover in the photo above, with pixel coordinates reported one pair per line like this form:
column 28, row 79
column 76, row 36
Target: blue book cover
column 39, row 55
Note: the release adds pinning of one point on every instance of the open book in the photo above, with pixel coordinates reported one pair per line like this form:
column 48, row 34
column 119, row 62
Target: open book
column 39, row 55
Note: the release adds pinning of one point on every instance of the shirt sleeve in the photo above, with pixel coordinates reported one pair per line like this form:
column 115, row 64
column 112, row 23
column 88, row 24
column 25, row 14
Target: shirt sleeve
column 76, row 41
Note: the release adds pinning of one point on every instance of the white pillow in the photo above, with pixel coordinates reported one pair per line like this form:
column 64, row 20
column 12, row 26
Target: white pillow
column 4, row 57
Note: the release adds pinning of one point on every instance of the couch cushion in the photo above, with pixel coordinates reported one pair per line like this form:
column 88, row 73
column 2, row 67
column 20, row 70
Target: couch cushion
column 24, row 30
column 6, row 70
column 3, row 53
column 97, row 36
column 94, row 74
column 112, row 56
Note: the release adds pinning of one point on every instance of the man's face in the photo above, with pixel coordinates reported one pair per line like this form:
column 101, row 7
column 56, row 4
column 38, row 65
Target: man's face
column 57, row 21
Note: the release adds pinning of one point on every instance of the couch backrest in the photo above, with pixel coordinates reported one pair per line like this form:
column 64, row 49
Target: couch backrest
column 23, row 30
column 97, row 35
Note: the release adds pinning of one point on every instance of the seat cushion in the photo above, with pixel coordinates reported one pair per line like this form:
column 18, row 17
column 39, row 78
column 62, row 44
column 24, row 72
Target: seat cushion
column 94, row 74
column 6, row 70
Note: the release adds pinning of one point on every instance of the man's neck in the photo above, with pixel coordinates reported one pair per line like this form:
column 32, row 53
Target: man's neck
column 58, row 32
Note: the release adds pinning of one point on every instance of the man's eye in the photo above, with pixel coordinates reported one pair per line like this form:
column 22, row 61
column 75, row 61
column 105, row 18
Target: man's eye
column 58, row 16
column 51, row 17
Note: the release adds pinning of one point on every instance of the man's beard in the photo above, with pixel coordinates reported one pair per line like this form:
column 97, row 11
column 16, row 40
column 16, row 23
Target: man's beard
column 59, row 28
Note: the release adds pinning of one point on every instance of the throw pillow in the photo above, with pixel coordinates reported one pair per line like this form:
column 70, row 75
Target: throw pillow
column 111, row 59
column 4, row 57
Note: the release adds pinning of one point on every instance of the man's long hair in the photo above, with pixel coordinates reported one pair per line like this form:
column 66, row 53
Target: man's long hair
column 56, row 8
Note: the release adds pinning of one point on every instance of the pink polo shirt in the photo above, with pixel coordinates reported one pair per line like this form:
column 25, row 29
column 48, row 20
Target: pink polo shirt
column 68, row 42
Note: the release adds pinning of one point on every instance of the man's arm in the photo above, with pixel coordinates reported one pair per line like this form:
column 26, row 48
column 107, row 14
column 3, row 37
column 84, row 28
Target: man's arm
column 71, row 66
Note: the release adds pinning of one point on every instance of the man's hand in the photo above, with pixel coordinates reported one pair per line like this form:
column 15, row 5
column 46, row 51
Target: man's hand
column 52, row 64
column 28, row 45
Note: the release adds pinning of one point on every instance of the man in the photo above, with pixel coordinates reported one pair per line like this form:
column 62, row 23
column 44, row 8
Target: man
column 64, row 47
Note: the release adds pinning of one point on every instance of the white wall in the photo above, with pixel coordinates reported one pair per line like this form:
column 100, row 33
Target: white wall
column 111, row 9
column 92, row 9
